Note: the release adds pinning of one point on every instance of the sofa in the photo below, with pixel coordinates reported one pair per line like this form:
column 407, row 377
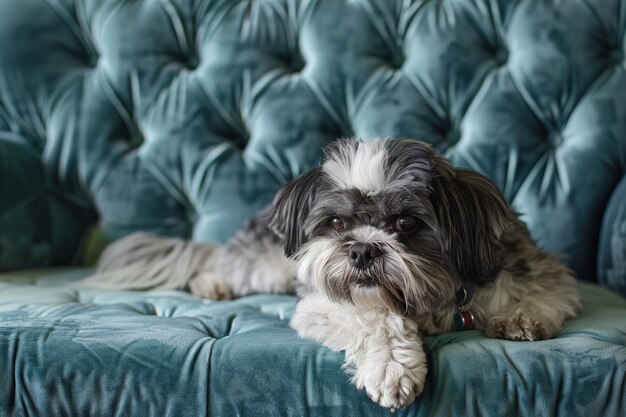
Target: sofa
column 184, row 117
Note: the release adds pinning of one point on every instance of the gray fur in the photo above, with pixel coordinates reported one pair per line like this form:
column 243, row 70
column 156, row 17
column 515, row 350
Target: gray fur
column 460, row 230
column 142, row 261
column 253, row 260
column 466, row 232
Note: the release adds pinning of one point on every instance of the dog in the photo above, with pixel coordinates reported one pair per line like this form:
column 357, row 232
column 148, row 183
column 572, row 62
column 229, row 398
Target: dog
column 389, row 242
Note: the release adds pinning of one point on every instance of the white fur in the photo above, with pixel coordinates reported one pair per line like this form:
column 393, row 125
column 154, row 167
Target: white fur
column 142, row 261
column 326, row 257
column 320, row 258
column 371, row 234
column 383, row 351
column 211, row 286
column 361, row 166
column 271, row 273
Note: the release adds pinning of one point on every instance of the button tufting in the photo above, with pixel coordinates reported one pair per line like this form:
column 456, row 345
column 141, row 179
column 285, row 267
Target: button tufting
column 501, row 56
column 294, row 62
column 193, row 61
column 452, row 137
column 135, row 138
column 239, row 141
column 555, row 139
column 192, row 216
column 616, row 56
column 397, row 60
column 93, row 60
column 369, row 67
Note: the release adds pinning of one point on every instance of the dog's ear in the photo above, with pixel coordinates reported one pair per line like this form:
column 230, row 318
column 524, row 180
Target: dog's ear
column 291, row 208
column 474, row 214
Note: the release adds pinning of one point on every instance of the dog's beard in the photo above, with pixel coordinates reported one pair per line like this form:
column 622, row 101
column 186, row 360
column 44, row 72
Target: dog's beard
column 397, row 281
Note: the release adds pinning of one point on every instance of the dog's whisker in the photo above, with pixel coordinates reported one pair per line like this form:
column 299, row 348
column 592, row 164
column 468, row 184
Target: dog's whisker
column 382, row 235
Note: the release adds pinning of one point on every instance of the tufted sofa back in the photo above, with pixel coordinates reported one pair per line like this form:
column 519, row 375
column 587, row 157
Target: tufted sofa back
column 183, row 117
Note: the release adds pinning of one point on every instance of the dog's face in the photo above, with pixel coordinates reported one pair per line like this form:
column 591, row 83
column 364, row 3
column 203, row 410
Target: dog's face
column 390, row 225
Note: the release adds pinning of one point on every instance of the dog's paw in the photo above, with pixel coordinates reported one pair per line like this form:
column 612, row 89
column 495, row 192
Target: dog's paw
column 207, row 285
column 395, row 393
column 520, row 326
column 392, row 385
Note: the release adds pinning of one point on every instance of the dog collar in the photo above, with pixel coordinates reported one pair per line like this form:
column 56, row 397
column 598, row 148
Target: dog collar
column 463, row 318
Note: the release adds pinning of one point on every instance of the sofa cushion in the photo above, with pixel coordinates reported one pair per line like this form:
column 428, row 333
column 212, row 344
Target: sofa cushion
column 183, row 117
column 612, row 249
column 79, row 352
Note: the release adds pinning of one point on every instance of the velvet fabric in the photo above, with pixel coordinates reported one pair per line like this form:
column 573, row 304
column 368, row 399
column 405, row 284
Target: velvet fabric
column 183, row 118
column 612, row 249
column 70, row 352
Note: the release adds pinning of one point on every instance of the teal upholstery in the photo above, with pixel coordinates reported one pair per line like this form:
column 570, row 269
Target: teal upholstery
column 612, row 249
column 183, row 118
column 69, row 352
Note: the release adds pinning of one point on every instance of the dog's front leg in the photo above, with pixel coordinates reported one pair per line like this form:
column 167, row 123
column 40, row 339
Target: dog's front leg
column 383, row 350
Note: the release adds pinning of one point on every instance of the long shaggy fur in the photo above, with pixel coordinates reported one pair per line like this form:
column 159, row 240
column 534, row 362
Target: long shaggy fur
column 146, row 262
column 461, row 231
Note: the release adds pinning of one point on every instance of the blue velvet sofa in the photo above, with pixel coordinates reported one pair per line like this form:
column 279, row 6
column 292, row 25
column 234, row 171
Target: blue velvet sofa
column 183, row 118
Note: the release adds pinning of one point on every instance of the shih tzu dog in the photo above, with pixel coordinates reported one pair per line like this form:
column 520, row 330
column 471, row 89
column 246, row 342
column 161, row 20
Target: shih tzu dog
column 388, row 242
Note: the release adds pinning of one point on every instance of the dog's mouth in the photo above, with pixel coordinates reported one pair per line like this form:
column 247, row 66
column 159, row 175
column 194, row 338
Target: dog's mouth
column 365, row 281
column 368, row 278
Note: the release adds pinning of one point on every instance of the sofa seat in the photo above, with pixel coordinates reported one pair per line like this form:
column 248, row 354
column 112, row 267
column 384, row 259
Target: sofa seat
column 79, row 352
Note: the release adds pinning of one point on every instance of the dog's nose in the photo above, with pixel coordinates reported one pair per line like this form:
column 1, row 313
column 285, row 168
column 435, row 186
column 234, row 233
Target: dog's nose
column 362, row 255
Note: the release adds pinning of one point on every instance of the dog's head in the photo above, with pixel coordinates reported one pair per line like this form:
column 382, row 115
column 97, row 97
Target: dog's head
column 389, row 224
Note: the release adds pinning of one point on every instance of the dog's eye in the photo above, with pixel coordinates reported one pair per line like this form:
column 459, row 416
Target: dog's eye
column 336, row 223
column 405, row 223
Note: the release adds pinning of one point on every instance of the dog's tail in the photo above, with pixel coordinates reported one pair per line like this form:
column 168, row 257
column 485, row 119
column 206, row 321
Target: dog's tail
column 142, row 261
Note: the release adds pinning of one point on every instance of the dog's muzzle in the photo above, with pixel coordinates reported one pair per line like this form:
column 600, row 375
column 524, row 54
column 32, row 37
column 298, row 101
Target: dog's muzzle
column 362, row 255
